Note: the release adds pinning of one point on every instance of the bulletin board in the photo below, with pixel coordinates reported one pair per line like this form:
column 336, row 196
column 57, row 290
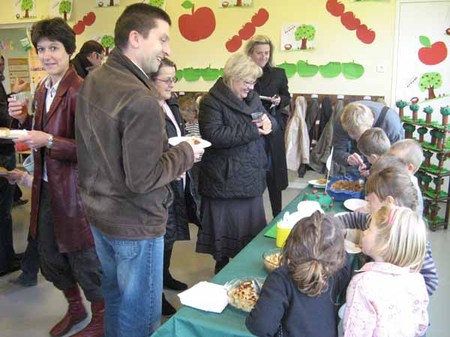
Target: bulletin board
column 423, row 48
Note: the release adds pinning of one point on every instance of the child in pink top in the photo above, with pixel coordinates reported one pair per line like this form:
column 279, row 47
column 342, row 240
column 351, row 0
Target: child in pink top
column 388, row 297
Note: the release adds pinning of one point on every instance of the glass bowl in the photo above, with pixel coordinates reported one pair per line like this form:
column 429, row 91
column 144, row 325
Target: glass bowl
column 272, row 259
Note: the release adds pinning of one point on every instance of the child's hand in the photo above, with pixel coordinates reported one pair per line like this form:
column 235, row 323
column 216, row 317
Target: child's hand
column 363, row 171
column 355, row 160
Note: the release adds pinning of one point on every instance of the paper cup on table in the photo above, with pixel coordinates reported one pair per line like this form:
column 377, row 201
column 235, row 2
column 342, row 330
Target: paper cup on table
column 283, row 230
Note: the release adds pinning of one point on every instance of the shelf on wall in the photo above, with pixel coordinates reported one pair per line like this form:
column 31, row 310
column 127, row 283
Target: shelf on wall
column 421, row 122
column 434, row 170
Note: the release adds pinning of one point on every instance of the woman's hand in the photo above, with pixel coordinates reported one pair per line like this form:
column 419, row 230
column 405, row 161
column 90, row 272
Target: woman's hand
column 18, row 110
column 14, row 176
column 275, row 100
column 264, row 125
column 34, row 139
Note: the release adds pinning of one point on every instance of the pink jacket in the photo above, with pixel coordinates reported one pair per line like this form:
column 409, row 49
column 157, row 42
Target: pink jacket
column 386, row 300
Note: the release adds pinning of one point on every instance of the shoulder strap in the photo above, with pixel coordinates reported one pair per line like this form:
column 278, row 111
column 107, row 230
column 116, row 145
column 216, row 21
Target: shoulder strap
column 381, row 118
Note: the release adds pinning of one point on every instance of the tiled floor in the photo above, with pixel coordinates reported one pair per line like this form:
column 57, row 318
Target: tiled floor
column 30, row 312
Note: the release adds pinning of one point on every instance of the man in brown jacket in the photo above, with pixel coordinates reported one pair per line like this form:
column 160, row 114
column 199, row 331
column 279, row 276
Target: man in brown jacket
column 125, row 167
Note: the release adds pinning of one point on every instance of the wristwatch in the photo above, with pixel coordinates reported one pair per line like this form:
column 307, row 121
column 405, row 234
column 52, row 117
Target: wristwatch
column 49, row 142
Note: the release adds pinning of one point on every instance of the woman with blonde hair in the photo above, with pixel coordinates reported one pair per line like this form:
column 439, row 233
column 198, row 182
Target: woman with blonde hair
column 388, row 297
column 233, row 169
column 300, row 298
column 273, row 87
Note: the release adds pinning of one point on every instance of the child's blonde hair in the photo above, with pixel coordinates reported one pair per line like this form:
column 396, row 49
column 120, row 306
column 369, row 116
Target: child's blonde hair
column 374, row 141
column 188, row 109
column 395, row 182
column 400, row 236
column 409, row 151
column 314, row 251
column 386, row 161
column 356, row 118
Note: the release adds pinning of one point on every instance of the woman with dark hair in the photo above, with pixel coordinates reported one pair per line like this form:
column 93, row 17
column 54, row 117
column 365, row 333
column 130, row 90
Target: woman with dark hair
column 274, row 91
column 184, row 207
column 58, row 222
column 90, row 56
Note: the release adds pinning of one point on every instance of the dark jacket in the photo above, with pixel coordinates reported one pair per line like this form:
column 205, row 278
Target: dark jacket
column 6, row 146
column 235, row 165
column 125, row 163
column 185, row 206
column 81, row 65
column 72, row 231
column 343, row 143
column 274, row 82
column 282, row 305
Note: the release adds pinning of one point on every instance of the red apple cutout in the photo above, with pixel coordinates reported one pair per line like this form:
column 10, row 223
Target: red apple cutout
column 78, row 28
column 365, row 34
column 89, row 18
column 247, row 31
column 335, row 8
column 233, row 44
column 432, row 54
column 260, row 18
column 198, row 25
column 349, row 21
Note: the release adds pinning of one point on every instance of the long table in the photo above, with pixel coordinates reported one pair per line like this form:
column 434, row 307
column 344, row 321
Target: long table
column 190, row 322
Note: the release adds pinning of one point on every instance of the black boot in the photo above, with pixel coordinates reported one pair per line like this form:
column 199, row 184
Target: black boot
column 167, row 308
column 168, row 281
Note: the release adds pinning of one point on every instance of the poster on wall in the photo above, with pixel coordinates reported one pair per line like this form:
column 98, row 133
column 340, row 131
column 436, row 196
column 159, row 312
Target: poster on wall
column 18, row 69
column 108, row 3
column 235, row 3
column 62, row 8
column 423, row 61
column 25, row 9
column 157, row 3
column 298, row 36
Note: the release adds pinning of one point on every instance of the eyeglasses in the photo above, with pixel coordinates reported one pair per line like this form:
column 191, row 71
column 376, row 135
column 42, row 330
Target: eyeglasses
column 249, row 83
column 168, row 80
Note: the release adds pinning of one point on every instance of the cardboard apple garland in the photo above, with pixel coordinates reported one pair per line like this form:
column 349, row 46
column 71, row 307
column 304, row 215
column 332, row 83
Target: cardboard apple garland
column 88, row 20
column 247, row 30
column 350, row 21
column 432, row 54
column 198, row 25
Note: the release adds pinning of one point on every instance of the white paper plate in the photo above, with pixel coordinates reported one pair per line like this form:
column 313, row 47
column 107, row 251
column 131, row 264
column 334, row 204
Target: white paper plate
column 265, row 98
column 354, row 204
column 351, row 247
column 315, row 183
column 13, row 134
column 3, row 172
column 174, row 141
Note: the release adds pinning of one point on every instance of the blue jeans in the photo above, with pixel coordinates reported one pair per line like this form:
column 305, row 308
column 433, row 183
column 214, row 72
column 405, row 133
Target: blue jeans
column 131, row 283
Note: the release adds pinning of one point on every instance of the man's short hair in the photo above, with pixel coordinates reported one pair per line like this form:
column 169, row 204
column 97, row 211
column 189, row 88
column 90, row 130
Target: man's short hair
column 139, row 17
column 409, row 151
column 374, row 141
column 55, row 29
column 356, row 118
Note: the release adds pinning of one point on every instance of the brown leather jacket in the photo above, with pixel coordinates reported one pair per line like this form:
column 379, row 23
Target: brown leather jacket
column 72, row 230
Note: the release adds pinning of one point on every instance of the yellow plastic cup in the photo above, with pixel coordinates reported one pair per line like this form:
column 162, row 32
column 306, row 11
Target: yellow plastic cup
column 283, row 232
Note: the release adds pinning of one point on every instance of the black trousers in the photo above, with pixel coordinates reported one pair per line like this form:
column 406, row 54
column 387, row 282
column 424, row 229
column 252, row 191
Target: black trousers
column 274, row 195
column 65, row 270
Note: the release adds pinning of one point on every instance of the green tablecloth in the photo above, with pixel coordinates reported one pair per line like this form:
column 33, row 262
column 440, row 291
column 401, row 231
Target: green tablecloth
column 190, row 322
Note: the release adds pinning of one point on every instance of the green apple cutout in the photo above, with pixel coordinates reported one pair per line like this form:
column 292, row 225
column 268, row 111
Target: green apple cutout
column 289, row 68
column 330, row 70
column 191, row 74
column 304, row 69
column 179, row 74
column 352, row 70
column 210, row 74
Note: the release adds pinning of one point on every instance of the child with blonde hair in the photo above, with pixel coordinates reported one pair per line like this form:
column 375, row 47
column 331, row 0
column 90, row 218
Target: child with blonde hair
column 411, row 153
column 299, row 298
column 392, row 186
column 388, row 297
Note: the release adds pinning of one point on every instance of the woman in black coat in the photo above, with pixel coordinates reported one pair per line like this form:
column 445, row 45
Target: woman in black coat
column 273, row 88
column 184, row 208
column 233, row 169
